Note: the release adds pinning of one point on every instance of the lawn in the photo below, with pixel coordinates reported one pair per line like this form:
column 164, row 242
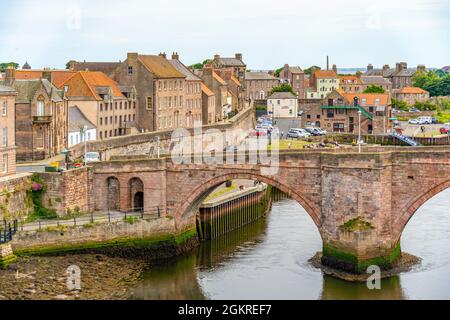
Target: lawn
column 294, row 144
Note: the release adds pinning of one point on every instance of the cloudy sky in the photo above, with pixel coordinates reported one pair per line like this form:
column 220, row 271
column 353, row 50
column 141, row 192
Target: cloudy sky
column 269, row 33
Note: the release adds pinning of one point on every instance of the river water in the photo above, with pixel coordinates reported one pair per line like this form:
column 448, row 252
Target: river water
column 269, row 260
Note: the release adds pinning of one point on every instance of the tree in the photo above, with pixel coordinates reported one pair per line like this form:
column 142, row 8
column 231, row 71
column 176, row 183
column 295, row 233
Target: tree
column 5, row 65
column 309, row 70
column 284, row 87
column 399, row 105
column 433, row 83
column 68, row 64
column 199, row 65
column 278, row 72
column 374, row 89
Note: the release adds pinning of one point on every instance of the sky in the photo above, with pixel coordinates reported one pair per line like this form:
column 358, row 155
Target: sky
column 48, row 33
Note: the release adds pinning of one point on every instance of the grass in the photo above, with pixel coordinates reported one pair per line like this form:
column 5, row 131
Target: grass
column 294, row 144
column 221, row 192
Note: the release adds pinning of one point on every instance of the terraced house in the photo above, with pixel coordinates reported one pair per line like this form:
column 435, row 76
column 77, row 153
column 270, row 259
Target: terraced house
column 110, row 108
column 322, row 82
column 259, row 84
column 41, row 117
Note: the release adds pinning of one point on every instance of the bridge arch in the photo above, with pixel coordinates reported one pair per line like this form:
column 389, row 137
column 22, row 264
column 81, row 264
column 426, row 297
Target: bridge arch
column 408, row 212
column 187, row 209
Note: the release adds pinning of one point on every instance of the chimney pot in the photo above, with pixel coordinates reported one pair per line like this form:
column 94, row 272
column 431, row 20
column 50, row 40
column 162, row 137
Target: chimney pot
column 369, row 67
column 238, row 56
column 10, row 75
column 175, row 56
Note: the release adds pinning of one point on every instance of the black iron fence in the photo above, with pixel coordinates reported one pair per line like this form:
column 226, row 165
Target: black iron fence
column 7, row 231
column 111, row 216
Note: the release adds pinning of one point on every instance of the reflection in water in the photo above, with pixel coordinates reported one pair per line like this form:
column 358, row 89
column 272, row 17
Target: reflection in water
column 336, row 289
column 269, row 260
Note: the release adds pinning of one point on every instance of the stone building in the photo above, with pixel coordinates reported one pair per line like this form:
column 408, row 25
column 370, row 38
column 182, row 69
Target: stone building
column 102, row 102
column 400, row 76
column 41, row 117
column 259, row 85
column 219, row 87
column 350, row 83
column 410, row 95
column 379, row 81
column 359, row 83
column 322, row 82
column 236, row 64
column 294, row 76
column 56, row 77
column 192, row 112
column 208, row 105
column 282, row 105
column 7, row 127
column 340, row 112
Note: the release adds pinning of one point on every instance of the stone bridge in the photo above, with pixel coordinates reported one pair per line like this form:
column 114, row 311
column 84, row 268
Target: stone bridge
column 360, row 203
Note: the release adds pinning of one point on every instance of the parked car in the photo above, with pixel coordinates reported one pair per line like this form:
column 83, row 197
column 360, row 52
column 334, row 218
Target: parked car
column 425, row 120
column 413, row 121
column 313, row 131
column 91, row 157
column 298, row 133
column 258, row 133
column 414, row 110
column 445, row 129
column 434, row 121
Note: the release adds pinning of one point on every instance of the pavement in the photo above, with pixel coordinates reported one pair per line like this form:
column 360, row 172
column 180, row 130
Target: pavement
column 414, row 130
column 37, row 166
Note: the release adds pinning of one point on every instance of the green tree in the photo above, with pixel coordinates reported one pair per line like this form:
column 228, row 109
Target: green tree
column 278, row 72
column 433, row 83
column 399, row 105
column 284, row 87
column 199, row 65
column 374, row 89
column 5, row 65
column 309, row 70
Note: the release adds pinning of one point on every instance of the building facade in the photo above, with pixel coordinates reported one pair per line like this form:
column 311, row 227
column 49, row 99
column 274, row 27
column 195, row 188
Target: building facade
column 259, row 85
column 322, row 82
column 192, row 112
column 41, row 112
column 282, row 105
column 410, row 95
column 220, row 89
column 80, row 128
column 295, row 77
column 102, row 102
column 401, row 76
column 7, row 125
column 208, row 105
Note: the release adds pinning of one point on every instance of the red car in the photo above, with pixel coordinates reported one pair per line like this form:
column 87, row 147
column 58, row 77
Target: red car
column 445, row 129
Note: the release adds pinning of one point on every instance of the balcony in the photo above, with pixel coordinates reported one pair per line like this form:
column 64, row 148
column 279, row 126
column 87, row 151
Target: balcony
column 42, row 119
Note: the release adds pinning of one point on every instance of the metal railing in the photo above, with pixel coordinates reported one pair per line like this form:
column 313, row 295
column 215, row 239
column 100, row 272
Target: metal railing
column 7, row 231
column 108, row 217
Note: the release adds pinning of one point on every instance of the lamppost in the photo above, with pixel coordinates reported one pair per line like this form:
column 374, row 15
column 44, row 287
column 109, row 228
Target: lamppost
column 359, row 131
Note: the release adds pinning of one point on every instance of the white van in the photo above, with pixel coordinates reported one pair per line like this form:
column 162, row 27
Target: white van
column 425, row 120
column 92, row 157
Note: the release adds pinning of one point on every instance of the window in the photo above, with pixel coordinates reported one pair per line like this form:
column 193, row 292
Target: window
column 363, row 101
column 308, row 116
column 120, row 106
column 40, row 107
column 101, row 121
column 115, row 119
column 330, row 113
column 130, row 70
column 106, row 121
column 89, row 136
column 5, row 108
column 71, row 140
column 149, row 103
column 101, row 135
column 5, row 137
column 101, row 107
column 370, row 109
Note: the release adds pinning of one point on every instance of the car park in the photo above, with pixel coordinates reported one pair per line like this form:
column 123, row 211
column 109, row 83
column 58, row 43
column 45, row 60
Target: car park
column 314, row 131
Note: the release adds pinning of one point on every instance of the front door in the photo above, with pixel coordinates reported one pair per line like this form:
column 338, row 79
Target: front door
column 139, row 201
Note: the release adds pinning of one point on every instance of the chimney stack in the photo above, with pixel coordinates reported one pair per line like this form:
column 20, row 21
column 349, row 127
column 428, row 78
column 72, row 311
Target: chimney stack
column 369, row 67
column 163, row 54
column 358, row 74
column 216, row 56
column 421, row 68
column 238, row 56
column 386, row 67
column 328, row 63
column 175, row 56
column 335, row 69
column 400, row 66
column 10, row 75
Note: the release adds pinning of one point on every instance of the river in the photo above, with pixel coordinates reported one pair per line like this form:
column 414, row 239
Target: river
column 269, row 260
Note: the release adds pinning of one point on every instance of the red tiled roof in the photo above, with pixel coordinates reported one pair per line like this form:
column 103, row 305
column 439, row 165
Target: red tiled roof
column 412, row 90
column 206, row 90
column 85, row 83
column 325, row 74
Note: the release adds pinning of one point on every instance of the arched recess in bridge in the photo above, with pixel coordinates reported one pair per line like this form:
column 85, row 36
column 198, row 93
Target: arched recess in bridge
column 113, row 196
column 188, row 208
column 136, row 196
column 408, row 212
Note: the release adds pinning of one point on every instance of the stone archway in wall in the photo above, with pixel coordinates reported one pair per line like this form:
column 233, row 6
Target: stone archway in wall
column 113, row 193
column 184, row 212
column 408, row 212
column 136, row 195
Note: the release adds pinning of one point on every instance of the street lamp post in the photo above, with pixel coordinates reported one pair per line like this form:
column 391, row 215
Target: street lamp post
column 359, row 131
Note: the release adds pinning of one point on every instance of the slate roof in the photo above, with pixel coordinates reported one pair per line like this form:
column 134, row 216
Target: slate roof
column 6, row 90
column 26, row 90
column 374, row 80
column 231, row 62
column 282, row 95
column 177, row 64
column 78, row 120
column 296, row 70
column 254, row 75
column 106, row 67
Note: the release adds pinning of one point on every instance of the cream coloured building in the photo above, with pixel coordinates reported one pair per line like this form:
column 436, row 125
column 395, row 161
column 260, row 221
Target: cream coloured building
column 282, row 105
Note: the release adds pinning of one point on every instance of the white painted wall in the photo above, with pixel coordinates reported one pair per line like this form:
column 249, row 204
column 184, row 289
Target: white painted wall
column 76, row 138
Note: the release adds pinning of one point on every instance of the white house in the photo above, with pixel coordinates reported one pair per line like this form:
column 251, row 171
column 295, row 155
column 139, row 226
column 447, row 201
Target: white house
column 282, row 105
column 77, row 124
